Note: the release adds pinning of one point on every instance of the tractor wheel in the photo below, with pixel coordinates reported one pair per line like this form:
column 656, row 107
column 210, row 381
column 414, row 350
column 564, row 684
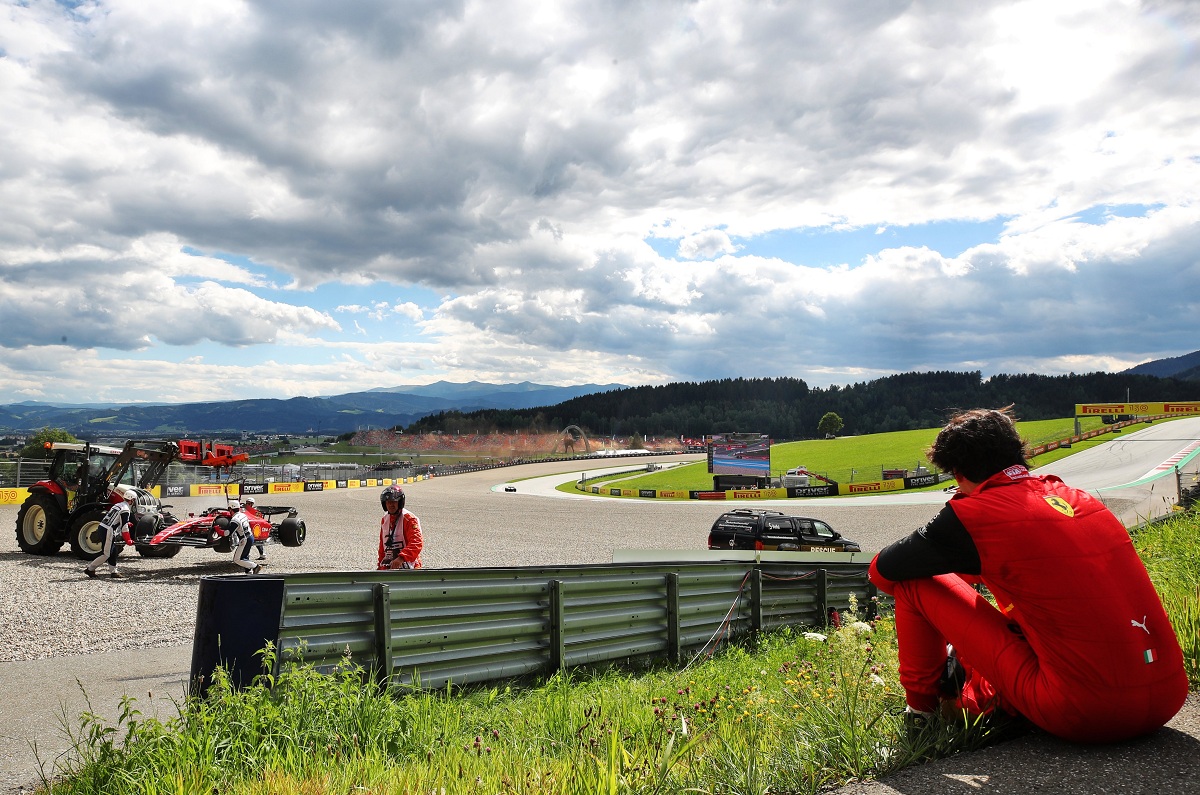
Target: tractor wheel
column 39, row 525
column 292, row 532
column 87, row 536
column 159, row 551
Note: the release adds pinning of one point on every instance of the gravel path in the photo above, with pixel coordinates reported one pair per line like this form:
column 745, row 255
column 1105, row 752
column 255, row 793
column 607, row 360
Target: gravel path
column 48, row 608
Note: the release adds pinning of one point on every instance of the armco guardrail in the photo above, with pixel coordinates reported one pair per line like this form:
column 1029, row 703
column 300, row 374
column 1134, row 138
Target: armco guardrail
column 434, row 626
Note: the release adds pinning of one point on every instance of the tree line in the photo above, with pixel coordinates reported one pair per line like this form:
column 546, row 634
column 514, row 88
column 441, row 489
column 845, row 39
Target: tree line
column 787, row 408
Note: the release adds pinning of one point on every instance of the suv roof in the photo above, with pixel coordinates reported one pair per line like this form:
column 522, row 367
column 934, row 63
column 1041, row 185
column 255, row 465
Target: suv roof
column 753, row 512
column 764, row 529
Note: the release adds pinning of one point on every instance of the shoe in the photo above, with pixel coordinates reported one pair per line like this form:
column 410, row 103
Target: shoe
column 917, row 723
column 116, row 575
column 262, row 557
column 256, row 570
column 921, row 730
column 953, row 678
column 91, row 574
column 1000, row 726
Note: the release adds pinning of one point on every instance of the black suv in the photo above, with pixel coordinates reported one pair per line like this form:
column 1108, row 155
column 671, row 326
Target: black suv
column 751, row 528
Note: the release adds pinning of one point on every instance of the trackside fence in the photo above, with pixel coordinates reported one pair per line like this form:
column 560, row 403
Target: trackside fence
column 431, row 627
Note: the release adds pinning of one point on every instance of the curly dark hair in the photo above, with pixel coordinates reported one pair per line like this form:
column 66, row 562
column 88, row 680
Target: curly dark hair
column 978, row 443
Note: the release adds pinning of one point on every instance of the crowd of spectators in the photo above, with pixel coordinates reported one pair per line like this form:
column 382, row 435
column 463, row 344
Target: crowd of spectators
column 504, row 446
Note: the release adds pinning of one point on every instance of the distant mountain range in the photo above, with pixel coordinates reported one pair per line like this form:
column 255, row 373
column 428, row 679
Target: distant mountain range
column 1185, row 368
column 382, row 407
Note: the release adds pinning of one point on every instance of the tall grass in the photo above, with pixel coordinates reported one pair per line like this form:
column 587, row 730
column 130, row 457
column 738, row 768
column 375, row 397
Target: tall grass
column 791, row 712
column 1171, row 551
column 719, row 725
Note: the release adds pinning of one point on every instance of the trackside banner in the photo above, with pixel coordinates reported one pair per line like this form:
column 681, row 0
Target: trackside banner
column 212, row 490
column 1138, row 409
column 13, row 496
column 17, row 496
column 813, row 491
column 874, row 488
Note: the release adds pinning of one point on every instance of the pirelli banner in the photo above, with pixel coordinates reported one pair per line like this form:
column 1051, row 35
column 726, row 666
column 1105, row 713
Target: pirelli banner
column 1138, row 409
column 733, row 495
column 238, row 490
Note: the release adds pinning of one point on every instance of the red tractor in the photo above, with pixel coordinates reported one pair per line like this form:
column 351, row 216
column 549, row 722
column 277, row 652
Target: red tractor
column 84, row 481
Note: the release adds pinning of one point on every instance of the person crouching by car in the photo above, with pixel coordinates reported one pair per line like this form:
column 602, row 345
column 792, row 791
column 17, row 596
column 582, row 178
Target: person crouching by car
column 252, row 512
column 242, row 537
column 115, row 525
column 400, row 541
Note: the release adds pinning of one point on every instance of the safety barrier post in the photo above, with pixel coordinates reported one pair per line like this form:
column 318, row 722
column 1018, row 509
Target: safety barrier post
column 823, row 593
column 674, row 649
column 558, row 648
column 756, row 599
column 381, row 594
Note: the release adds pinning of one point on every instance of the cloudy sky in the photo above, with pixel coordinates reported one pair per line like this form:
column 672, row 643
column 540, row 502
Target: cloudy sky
column 220, row 199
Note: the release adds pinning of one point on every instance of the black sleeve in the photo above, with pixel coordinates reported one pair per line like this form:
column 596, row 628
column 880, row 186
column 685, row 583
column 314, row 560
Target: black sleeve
column 941, row 547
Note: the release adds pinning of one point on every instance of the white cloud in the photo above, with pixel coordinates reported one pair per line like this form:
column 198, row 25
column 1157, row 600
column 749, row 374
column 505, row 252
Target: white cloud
column 706, row 244
column 170, row 168
column 409, row 310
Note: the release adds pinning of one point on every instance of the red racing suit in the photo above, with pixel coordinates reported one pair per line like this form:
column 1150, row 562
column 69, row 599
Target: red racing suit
column 400, row 542
column 1080, row 644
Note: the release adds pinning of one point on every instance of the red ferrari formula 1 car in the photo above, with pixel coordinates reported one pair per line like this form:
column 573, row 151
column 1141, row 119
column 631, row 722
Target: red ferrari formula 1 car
column 210, row 528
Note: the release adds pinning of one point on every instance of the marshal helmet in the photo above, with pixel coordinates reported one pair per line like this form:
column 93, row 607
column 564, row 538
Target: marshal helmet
column 392, row 494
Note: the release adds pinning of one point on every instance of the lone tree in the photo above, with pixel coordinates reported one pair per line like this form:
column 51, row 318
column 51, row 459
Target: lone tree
column 830, row 424
column 36, row 448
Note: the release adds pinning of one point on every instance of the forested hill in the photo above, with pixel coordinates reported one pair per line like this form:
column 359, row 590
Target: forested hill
column 786, row 408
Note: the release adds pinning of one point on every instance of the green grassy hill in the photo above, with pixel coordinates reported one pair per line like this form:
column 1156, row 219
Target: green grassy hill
column 859, row 459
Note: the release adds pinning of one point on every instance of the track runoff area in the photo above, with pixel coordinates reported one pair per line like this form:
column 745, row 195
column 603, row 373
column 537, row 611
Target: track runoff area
column 1138, row 472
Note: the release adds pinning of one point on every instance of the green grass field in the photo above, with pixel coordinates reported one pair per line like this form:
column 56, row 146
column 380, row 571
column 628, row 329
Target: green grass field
column 856, row 459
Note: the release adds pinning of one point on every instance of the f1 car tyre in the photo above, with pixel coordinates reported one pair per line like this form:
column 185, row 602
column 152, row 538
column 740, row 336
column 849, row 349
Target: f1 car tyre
column 87, row 539
column 292, row 532
column 147, row 527
column 159, row 551
column 38, row 525
column 221, row 541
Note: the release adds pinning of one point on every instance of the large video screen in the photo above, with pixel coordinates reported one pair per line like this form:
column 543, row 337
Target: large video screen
column 740, row 454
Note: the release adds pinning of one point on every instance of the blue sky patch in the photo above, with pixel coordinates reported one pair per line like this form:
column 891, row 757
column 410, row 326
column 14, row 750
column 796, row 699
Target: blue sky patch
column 826, row 247
column 1099, row 215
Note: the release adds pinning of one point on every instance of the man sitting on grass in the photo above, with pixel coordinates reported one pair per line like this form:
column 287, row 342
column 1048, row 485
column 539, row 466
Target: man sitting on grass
column 1078, row 642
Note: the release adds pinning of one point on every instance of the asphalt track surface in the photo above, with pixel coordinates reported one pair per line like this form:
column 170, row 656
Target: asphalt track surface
column 469, row 520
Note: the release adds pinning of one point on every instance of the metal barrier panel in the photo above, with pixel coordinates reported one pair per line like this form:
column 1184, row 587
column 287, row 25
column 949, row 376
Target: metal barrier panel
column 433, row 626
